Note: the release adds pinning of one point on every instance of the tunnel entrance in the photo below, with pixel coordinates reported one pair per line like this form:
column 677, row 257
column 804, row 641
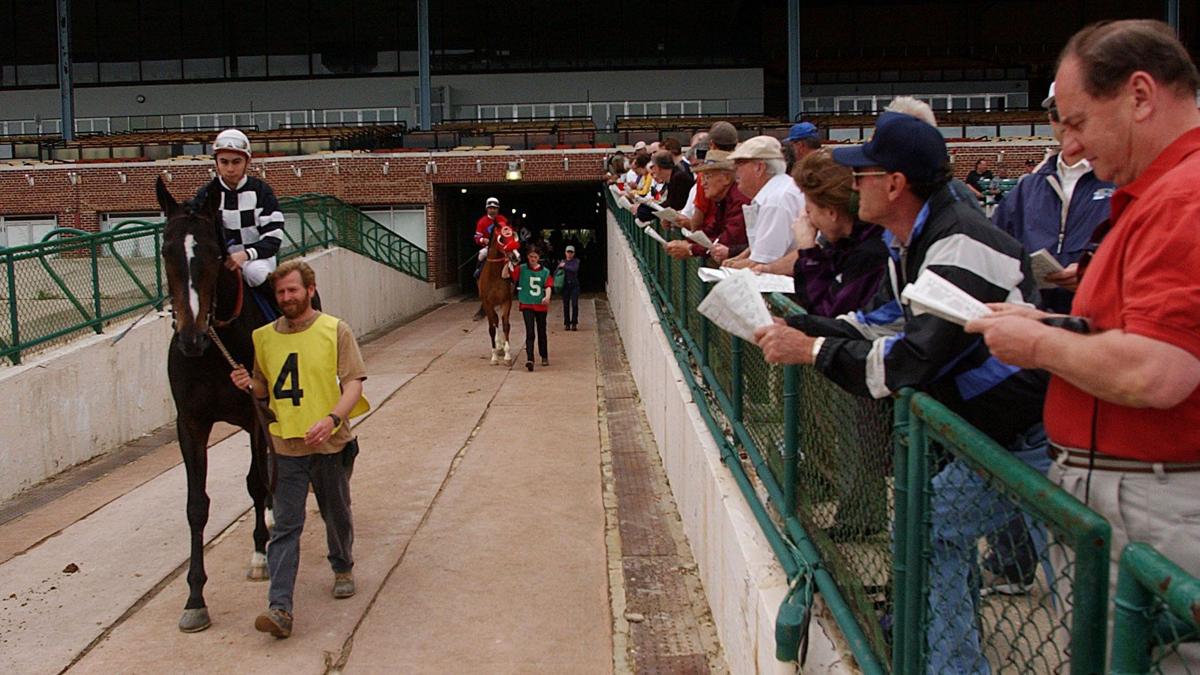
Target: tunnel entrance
column 554, row 214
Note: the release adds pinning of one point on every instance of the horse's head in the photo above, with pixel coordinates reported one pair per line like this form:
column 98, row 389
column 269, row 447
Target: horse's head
column 192, row 258
column 504, row 243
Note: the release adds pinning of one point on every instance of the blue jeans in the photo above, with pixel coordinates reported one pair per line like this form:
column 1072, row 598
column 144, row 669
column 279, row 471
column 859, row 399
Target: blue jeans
column 963, row 509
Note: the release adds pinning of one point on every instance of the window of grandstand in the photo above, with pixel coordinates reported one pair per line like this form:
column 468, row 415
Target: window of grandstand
column 406, row 221
column 140, row 247
column 22, row 230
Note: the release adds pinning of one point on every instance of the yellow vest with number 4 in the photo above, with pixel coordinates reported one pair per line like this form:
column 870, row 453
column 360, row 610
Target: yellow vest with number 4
column 301, row 373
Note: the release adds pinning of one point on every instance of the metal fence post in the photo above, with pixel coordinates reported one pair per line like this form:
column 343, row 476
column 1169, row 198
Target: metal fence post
column 917, row 533
column 99, row 325
column 683, row 292
column 158, row 265
column 1131, row 651
column 735, row 358
column 14, row 324
column 791, row 435
column 705, row 331
column 900, row 627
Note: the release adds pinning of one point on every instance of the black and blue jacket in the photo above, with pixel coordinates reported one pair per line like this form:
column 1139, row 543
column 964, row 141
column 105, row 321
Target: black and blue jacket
column 885, row 346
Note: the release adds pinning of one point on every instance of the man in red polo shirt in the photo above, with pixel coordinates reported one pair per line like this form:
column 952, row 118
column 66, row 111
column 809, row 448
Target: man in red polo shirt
column 1123, row 398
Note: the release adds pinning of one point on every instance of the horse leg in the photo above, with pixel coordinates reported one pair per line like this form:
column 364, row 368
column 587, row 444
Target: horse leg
column 193, row 443
column 258, row 484
column 493, row 339
column 508, row 357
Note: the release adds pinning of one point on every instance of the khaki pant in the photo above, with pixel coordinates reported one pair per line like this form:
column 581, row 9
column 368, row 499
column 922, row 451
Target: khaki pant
column 1159, row 509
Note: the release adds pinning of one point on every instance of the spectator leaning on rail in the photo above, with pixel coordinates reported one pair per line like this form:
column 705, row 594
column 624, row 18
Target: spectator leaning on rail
column 251, row 222
column 1123, row 410
column 721, row 136
column 308, row 365
column 840, row 259
column 678, row 179
column 724, row 221
column 1057, row 210
column 907, row 105
column 902, row 177
column 775, row 201
column 805, row 139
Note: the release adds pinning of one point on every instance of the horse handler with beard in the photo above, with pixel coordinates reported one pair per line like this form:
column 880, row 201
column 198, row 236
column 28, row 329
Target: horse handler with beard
column 316, row 373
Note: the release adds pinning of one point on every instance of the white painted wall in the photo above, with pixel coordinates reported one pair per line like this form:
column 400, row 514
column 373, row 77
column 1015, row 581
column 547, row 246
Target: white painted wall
column 743, row 581
column 74, row 403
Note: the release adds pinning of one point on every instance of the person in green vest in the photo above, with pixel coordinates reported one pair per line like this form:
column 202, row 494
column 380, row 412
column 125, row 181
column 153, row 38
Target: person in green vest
column 534, row 287
column 316, row 373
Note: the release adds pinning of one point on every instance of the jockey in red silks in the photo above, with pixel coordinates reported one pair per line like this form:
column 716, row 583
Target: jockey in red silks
column 483, row 228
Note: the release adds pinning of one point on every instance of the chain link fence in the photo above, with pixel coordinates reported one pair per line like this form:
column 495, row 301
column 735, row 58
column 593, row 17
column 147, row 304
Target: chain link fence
column 75, row 283
column 947, row 552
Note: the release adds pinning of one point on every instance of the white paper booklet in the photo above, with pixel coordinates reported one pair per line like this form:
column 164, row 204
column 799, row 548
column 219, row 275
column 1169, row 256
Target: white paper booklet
column 624, row 203
column 668, row 214
column 932, row 294
column 1043, row 263
column 613, row 189
column 649, row 229
column 699, row 238
column 736, row 306
column 763, row 283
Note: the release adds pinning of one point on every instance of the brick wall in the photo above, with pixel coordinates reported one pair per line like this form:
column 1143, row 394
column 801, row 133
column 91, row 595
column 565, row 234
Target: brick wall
column 354, row 178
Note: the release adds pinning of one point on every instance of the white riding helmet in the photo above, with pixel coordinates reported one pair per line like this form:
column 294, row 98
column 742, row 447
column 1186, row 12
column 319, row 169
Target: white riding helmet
column 492, row 201
column 233, row 140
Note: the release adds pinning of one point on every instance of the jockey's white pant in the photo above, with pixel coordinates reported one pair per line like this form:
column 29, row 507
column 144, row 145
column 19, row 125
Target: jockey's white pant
column 255, row 272
column 482, row 254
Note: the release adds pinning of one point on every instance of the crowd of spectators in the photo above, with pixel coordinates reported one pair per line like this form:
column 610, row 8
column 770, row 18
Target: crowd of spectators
column 1090, row 378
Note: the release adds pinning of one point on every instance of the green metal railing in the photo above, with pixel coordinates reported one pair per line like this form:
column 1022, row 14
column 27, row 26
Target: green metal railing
column 74, row 283
column 1157, row 615
column 851, row 486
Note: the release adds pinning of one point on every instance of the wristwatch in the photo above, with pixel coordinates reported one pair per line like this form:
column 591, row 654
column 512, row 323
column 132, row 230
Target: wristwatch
column 337, row 421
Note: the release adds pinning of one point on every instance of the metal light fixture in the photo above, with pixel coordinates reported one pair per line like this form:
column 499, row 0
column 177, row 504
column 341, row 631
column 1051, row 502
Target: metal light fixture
column 73, row 178
column 29, row 179
column 479, row 166
column 168, row 177
column 386, row 166
column 515, row 169
column 566, row 163
column 431, row 167
column 124, row 178
column 336, row 169
column 297, row 171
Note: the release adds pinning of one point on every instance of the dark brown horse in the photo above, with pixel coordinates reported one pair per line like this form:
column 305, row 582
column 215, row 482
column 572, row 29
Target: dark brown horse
column 204, row 294
column 495, row 291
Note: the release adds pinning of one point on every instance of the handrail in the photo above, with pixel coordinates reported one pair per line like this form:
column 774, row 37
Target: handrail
column 38, row 320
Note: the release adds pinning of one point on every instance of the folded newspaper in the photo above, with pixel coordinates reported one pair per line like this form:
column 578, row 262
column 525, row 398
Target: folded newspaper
column 736, row 306
column 1042, row 263
column 668, row 214
column 698, row 237
column 624, row 203
column 932, row 294
column 763, row 283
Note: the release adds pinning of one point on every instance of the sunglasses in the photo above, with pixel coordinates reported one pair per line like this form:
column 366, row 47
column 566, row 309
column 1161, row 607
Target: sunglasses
column 1054, row 114
column 856, row 175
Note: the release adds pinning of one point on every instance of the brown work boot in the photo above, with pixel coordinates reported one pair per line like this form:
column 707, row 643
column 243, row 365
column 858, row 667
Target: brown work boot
column 343, row 585
column 274, row 621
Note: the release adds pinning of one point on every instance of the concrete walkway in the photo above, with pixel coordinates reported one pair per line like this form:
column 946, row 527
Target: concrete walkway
column 480, row 535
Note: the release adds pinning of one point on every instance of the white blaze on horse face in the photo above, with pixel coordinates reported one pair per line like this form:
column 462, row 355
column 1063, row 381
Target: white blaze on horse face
column 189, row 251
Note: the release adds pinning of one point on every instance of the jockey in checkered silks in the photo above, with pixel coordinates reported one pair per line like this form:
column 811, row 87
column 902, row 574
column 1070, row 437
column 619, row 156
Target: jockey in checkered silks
column 251, row 222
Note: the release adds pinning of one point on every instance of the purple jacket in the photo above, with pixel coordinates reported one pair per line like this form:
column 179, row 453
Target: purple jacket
column 833, row 279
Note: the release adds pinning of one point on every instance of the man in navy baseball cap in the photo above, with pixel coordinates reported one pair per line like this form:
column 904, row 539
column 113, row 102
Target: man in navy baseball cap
column 903, row 144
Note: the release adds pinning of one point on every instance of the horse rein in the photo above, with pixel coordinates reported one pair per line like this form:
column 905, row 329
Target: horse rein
column 259, row 414
column 237, row 305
